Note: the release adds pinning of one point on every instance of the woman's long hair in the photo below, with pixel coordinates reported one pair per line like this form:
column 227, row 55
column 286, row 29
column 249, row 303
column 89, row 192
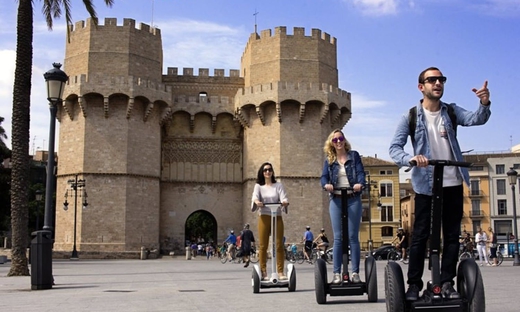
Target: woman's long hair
column 329, row 149
column 260, row 179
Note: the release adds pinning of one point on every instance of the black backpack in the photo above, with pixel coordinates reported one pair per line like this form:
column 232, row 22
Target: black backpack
column 412, row 120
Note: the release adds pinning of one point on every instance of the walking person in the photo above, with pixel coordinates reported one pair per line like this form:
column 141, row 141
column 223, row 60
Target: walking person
column 433, row 136
column 268, row 191
column 308, row 239
column 481, row 240
column 493, row 246
column 248, row 242
column 343, row 168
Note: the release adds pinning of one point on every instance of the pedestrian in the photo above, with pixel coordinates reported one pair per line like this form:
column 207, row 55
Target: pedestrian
column 434, row 137
column 194, row 249
column 268, row 191
column 248, row 242
column 343, row 168
column 481, row 240
column 401, row 242
column 308, row 240
column 493, row 246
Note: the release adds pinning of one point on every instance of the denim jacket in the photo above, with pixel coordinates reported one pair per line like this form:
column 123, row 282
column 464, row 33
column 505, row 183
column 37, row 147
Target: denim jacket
column 353, row 167
column 422, row 177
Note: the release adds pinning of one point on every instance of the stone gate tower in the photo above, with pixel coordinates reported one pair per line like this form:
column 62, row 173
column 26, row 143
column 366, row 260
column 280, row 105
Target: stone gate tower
column 288, row 106
column 154, row 148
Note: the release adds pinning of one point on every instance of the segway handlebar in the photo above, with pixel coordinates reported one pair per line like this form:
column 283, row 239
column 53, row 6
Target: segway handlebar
column 434, row 162
column 274, row 207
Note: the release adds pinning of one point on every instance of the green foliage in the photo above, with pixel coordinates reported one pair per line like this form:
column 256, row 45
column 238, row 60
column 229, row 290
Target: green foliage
column 202, row 224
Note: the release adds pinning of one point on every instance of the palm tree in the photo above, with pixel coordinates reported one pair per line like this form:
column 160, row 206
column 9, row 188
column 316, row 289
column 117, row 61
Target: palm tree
column 20, row 122
column 4, row 151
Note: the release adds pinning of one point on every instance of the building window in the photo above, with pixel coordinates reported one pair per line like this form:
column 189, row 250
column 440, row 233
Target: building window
column 502, row 207
column 386, row 172
column 387, row 231
column 503, row 227
column 387, row 213
column 500, row 169
column 475, row 207
column 516, row 166
column 386, row 189
column 476, row 168
column 501, row 187
column 203, row 97
column 475, row 187
column 476, row 225
column 366, row 213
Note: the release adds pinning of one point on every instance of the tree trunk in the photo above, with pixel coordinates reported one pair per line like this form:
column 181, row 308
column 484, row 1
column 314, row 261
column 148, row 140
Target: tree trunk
column 20, row 140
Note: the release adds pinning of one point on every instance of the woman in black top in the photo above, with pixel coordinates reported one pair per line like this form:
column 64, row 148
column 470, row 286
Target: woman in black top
column 493, row 247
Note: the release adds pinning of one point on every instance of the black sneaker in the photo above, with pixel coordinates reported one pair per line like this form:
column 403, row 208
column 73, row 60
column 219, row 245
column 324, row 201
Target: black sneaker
column 412, row 294
column 448, row 292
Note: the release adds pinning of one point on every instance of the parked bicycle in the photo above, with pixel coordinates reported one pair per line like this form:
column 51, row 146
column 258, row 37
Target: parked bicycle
column 396, row 255
column 466, row 254
column 293, row 255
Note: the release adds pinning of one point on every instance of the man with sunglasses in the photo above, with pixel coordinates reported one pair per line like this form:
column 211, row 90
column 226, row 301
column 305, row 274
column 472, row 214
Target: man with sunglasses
column 435, row 138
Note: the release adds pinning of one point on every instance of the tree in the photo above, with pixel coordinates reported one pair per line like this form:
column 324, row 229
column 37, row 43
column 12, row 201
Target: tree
column 4, row 151
column 20, row 123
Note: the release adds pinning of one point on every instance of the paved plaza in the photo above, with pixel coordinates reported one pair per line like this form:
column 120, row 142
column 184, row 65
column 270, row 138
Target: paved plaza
column 177, row 284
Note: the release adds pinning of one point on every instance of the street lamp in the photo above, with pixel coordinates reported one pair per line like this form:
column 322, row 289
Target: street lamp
column 513, row 176
column 41, row 245
column 75, row 184
column 370, row 241
column 39, row 196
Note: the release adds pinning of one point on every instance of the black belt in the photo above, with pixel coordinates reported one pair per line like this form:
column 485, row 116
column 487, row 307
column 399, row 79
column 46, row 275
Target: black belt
column 350, row 195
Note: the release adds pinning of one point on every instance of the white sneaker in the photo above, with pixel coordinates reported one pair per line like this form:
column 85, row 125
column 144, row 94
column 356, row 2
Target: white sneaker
column 336, row 279
column 355, row 278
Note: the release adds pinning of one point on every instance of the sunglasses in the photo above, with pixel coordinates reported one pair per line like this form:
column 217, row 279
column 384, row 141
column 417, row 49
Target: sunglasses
column 433, row 79
column 268, row 169
column 336, row 140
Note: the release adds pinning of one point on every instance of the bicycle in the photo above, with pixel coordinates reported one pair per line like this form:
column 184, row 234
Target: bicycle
column 396, row 255
column 253, row 257
column 224, row 254
column 500, row 258
column 316, row 254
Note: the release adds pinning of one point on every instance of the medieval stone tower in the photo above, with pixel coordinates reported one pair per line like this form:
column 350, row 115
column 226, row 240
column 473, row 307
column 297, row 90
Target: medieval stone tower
column 154, row 148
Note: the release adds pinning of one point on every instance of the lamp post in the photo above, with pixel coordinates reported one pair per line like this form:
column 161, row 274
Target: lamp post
column 370, row 241
column 38, row 195
column 41, row 245
column 513, row 176
column 75, row 184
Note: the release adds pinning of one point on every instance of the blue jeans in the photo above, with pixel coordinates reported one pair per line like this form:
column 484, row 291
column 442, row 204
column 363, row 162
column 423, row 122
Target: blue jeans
column 354, row 219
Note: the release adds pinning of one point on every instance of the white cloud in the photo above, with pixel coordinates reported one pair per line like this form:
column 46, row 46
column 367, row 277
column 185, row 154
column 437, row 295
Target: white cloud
column 377, row 7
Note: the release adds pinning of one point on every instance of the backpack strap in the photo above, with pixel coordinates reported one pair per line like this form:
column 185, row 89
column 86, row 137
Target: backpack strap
column 412, row 120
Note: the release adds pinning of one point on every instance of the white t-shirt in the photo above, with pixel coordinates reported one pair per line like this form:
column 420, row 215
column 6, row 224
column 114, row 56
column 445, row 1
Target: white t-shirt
column 440, row 146
column 481, row 239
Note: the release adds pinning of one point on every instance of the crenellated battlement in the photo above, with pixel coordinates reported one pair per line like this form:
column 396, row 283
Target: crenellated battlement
column 203, row 72
column 296, row 87
column 110, row 24
column 298, row 32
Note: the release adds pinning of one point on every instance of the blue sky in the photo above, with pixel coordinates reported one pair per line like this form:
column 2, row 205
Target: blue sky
column 382, row 47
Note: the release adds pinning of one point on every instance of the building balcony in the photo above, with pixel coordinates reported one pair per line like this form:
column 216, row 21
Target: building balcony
column 475, row 193
column 476, row 213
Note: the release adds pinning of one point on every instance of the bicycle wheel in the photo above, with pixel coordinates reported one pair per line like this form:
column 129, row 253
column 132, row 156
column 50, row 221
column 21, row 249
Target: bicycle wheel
column 223, row 258
column 253, row 258
column 393, row 256
column 300, row 258
column 500, row 258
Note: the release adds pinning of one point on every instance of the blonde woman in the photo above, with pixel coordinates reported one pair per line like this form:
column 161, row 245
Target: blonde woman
column 343, row 168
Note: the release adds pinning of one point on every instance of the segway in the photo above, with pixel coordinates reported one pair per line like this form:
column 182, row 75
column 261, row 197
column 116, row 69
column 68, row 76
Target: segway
column 274, row 280
column 469, row 280
column 346, row 287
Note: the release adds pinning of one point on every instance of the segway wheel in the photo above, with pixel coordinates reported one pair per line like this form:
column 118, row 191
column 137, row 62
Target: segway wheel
column 320, row 281
column 292, row 280
column 394, row 288
column 371, row 278
column 471, row 286
column 256, row 282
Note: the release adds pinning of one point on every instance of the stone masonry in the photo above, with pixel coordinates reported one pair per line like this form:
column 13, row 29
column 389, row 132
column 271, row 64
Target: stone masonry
column 155, row 148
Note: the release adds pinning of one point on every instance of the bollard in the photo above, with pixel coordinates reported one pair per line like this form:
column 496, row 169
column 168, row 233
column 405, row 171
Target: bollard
column 143, row 253
column 41, row 260
column 188, row 253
